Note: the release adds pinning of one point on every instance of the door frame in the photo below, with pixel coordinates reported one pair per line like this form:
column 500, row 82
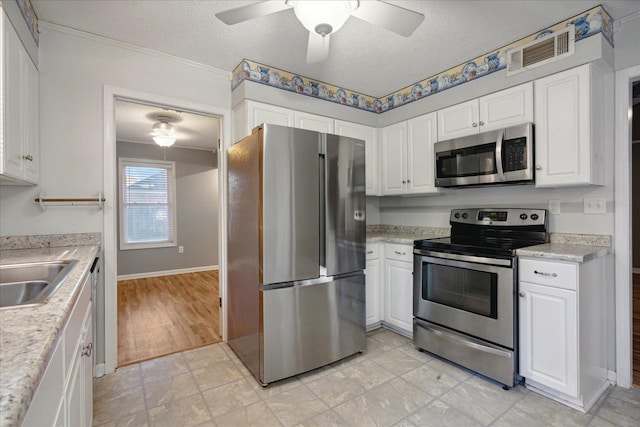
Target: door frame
column 622, row 241
column 110, row 211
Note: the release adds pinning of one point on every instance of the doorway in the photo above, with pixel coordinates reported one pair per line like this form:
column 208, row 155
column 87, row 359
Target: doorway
column 110, row 241
column 167, row 230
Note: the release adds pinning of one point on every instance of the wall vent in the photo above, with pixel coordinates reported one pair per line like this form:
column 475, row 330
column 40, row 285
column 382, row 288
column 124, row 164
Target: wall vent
column 541, row 51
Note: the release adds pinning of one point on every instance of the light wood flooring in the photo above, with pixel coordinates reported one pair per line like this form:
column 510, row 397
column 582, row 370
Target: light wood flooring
column 163, row 315
column 636, row 330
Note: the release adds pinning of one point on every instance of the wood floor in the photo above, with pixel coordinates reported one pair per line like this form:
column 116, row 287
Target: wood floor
column 636, row 330
column 164, row 315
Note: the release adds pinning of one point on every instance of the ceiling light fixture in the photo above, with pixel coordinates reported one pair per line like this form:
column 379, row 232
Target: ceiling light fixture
column 164, row 133
column 323, row 17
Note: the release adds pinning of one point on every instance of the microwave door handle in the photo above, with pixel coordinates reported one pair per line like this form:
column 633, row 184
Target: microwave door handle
column 499, row 155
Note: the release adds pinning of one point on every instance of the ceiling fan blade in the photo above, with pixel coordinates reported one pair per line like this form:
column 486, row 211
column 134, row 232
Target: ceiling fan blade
column 251, row 11
column 397, row 19
column 318, row 48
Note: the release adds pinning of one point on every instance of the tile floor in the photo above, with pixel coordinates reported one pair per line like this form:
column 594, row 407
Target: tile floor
column 391, row 384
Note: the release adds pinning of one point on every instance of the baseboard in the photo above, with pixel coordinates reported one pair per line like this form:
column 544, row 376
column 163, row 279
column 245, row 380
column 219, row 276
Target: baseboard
column 166, row 272
column 98, row 370
column 612, row 376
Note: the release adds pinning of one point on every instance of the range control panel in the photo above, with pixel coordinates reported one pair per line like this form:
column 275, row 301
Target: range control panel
column 507, row 217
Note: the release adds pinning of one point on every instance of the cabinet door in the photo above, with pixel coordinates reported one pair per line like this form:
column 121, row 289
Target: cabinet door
column 562, row 154
column 31, row 148
column 506, row 108
column 370, row 136
column 13, row 80
column 373, row 292
column 549, row 337
column 264, row 113
column 88, row 348
column 394, row 159
column 80, row 388
column 399, row 294
column 313, row 122
column 458, row 120
column 421, row 135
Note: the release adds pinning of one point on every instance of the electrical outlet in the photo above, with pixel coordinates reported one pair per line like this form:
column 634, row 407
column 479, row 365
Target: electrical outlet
column 594, row 205
column 180, row 249
column 554, row 206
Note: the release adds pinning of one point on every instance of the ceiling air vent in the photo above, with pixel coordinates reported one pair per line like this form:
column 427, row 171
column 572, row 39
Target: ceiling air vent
column 541, row 51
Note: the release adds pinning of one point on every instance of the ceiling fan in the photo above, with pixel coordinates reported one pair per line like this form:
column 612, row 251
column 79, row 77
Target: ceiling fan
column 323, row 18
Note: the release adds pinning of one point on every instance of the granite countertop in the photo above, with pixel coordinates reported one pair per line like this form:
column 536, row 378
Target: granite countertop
column 564, row 252
column 28, row 335
column 404, row 235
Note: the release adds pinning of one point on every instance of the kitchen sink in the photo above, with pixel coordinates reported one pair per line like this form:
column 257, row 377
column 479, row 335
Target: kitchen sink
column 23, row 285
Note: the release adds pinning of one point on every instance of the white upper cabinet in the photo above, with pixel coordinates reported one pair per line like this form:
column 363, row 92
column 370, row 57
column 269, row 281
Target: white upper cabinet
column 408, row 157
column 369, row 135
column 19, row 121
column 249, row 114
column 570, row 128
column 421, row 135
column 313, row 122
column 501, row 109
column 394, row 158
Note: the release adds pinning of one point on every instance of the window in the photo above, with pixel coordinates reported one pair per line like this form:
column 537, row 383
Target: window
column 147, row 204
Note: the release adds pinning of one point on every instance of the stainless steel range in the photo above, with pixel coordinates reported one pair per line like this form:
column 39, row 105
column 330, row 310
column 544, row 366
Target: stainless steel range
column 464, row 288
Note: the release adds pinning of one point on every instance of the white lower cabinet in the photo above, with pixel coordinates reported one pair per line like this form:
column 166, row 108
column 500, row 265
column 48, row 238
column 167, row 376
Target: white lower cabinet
column 64, row 396
column 562, row 329
column 373, row 286
column 398, row 285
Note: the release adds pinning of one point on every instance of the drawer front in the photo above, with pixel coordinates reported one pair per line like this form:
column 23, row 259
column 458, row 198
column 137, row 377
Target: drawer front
column 372, row 251
column 556, row 274
column 398, row 252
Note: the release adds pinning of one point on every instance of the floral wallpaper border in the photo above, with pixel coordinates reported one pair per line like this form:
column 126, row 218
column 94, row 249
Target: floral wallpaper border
column 30, row 18
column 587, row 24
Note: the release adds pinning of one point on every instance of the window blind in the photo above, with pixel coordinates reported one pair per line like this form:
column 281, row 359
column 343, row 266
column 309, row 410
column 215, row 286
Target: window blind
column 147, row 208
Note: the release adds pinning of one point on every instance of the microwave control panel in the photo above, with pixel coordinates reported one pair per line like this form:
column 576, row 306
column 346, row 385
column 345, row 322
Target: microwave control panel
column 514, row 154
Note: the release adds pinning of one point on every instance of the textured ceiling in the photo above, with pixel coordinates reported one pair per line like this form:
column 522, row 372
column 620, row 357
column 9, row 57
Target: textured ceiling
column 134, row 123
column 362, row 58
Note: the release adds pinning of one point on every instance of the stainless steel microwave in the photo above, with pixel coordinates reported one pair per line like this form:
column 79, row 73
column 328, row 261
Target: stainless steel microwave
column 503, row 156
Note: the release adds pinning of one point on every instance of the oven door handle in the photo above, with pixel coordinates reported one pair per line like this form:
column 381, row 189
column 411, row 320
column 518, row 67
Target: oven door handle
column 499, row 155
column 467, row 258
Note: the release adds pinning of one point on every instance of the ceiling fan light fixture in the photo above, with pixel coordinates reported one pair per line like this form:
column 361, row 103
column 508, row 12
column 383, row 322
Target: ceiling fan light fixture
column 164, row 134
column 323, row 17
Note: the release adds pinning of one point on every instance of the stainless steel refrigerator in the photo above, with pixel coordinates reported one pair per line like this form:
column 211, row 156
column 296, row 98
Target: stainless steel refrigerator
column 296, row 250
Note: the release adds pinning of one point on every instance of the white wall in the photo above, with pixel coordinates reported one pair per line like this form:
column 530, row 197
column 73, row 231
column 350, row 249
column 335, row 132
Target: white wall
column 73, row 70
column 626, row 37
column 196, row 212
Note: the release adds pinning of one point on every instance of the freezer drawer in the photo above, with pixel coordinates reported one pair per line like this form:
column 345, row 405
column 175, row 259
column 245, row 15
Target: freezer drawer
column 306, row 327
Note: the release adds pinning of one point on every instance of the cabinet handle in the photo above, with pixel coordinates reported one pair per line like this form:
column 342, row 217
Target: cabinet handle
column 28, row 157
column 369, row 252
column 542, row 273
column 400, row 253
column 474, row 124
column 87, row 350
column 404, row 182
column 521, row 294
column 481, row 123
column 408, row 181
column 538, row 167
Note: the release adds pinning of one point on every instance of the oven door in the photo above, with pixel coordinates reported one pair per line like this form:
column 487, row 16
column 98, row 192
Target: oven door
column 468, row 294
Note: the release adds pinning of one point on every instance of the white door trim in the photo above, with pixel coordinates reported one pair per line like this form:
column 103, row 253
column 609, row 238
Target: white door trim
column 622, row 240
column 110, row 239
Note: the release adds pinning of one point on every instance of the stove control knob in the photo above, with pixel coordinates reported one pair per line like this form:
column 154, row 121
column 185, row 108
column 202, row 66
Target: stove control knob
column 523, row 216
column 534, row 217
column 457, row 215
column 465, row 215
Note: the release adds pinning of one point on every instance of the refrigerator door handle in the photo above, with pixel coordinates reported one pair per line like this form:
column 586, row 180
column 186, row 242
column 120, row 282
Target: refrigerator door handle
column 307, row 282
